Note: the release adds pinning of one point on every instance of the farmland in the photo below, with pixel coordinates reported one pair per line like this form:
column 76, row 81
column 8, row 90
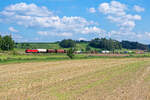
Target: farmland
column 88, row 76
column 86, row 79
column 47, row 45
column 74, row 50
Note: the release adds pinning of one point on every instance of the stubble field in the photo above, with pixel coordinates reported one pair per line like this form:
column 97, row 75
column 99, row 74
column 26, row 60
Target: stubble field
column 89, row 79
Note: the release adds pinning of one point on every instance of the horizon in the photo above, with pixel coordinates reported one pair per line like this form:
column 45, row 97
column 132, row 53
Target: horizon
column 75, row 40
column 54, row 20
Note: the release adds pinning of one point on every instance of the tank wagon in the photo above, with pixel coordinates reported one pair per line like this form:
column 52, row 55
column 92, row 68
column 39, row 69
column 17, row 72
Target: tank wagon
column 42, row 50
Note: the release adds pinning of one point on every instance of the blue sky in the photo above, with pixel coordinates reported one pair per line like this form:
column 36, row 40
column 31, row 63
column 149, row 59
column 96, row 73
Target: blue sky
column 54, row 20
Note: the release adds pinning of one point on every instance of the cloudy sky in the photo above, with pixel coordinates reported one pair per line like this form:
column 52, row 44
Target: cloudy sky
column 54, row 20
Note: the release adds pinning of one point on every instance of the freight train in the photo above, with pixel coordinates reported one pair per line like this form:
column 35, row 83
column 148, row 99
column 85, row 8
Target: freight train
column 45, row 51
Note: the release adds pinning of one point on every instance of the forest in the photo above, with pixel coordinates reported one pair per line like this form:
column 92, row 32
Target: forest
column 105, row 44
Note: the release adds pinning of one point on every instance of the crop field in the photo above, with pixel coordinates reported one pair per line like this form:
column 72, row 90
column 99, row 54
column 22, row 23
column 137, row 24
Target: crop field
column 86, row 79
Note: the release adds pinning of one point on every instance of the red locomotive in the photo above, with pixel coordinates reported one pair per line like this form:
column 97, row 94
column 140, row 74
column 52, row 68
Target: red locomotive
column 31, row 51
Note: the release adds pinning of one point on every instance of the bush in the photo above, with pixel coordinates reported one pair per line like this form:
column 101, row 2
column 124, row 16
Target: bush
column 67, row 43
column 15, row 52
column 70, row 53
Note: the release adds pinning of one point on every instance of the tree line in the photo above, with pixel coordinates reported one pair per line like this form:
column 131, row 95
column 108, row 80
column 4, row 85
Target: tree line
column 134, row 45
column 104, row 44
column 6, row 43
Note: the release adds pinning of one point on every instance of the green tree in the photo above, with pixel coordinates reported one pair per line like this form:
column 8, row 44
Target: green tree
column 22, row 45
column 0, row 41
column 134, row 45
column 88, row 48
column 69, row 43
column 70, row 53
column 106, row 44
column 7, row 43
column 27, row 45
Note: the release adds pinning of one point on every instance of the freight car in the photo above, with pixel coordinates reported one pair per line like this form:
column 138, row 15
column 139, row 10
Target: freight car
column 51, row 51
column 56, row 51
column 42, row 50
column 60, row 51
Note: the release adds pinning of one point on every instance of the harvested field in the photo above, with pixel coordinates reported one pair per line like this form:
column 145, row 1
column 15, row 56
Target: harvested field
column 90, row 79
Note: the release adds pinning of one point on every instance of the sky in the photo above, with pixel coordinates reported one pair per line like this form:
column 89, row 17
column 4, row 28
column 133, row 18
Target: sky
column 55, row 20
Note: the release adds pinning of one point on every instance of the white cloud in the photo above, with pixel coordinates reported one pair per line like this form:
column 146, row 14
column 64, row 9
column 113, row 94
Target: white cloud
column 43, row 33
column 116, row 12
column 31, row 15
column 15, row 36
column 119, row 14
column 97, row 30
column 18, row 37
column 131, row 36
column 92, row 10
column 138, row 8
column 82, row 38
column 65, row 34
column 133, row 17
column 27, row 9
column 52, row 33
column 114, row 7
column 147, row 34
column 12, row 29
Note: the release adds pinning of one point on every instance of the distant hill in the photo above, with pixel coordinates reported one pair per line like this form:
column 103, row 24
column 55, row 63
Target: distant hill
column 81, row 45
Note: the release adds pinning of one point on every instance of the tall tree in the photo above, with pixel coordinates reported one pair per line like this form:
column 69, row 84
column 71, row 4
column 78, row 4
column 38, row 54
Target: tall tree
column 0, row 41
column 7, row 43
column 70, row 53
